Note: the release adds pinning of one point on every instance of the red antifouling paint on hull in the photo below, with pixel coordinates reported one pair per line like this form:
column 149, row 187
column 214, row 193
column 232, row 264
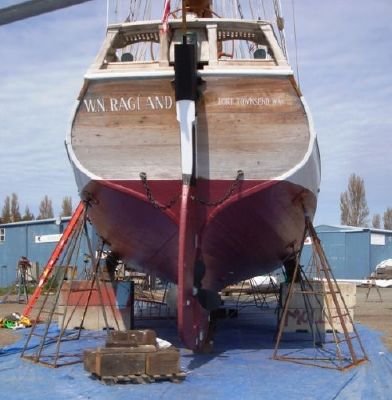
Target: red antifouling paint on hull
column 248, row 234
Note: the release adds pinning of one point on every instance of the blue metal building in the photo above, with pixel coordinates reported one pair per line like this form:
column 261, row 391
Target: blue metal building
column 35, row 240
column 353, row 253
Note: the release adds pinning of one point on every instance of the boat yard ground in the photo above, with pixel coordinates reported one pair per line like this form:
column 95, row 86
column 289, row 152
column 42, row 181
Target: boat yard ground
column 239, row 368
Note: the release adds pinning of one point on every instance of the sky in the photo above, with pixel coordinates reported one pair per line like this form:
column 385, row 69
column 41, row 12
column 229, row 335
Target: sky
column 344, row 58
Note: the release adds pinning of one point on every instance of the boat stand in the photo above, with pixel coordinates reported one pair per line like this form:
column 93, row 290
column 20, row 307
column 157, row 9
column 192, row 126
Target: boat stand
column 252, row 294
column 54, row 308
column 334, row 340
column 372, row 285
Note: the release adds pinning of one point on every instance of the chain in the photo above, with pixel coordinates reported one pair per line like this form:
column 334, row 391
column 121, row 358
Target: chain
column 233, row 187
column 143, row 177
column 229, row 193
column 89, row 199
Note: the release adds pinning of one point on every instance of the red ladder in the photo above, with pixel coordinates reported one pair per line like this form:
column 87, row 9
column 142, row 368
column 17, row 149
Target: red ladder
column 53, row 258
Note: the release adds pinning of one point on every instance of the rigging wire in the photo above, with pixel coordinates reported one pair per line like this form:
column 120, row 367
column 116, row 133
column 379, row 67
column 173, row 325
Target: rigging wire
column 263, row 7
column 295, row 44
column 107, row 13
column 131, row 14
column 251, row 10
column 116, row 11
column 239, row 8
column 255, row 9
column 280, row 25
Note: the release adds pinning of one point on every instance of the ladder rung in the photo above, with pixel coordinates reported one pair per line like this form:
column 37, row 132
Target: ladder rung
column 346, row 340
column 309, row 292
column 43, row 336
column 341, row 315
column 57, row 313
column 50, row 312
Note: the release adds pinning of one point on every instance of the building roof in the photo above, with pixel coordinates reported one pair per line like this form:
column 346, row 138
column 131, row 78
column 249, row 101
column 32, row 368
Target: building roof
column 347, row 228
column 57, row 221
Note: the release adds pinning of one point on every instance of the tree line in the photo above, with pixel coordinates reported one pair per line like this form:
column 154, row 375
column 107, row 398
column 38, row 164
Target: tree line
column 354, row 210
column 11, row 209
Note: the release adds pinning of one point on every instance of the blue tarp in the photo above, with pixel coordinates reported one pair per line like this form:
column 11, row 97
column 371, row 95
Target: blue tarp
column 240, row 368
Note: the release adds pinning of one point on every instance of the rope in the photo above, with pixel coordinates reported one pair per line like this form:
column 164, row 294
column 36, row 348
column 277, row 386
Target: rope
column 280, row 25
column 263, row 7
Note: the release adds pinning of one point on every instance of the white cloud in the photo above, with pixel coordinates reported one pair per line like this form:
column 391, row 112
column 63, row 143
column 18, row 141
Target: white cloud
column 344, row 56
column 43, row 63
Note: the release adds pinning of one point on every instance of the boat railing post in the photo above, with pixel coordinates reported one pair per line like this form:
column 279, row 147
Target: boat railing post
column 164, row 47
column 212, row 30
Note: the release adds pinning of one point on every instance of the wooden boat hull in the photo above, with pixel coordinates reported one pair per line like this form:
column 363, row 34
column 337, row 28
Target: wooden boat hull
column 125, row 149
column 250, row 234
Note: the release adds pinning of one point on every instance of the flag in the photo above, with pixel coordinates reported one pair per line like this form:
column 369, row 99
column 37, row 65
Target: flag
column 165, row 16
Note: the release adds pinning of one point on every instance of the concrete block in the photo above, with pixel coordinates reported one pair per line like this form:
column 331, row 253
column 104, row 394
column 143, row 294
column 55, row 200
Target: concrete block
column 317, row 299
column 114, row 298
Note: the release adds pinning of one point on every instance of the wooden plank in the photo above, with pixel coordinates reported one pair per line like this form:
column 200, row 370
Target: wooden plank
column 115, row 364
column 145, row 348
column 257, row 124
column 131, row 338
column 163, row 362
column 89, row 360
column 121, row 339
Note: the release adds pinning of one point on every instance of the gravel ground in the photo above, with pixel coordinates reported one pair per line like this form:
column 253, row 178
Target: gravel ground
column 374, row 313
column 8, row 336
column 371, row 312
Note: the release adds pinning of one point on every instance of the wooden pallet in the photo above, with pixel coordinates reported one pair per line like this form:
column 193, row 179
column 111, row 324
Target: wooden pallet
column 140, row 379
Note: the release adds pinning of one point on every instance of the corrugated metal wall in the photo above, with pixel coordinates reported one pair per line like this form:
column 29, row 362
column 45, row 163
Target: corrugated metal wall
column 380, row 250
column 357, row 256
column 23, row 239
column 353, row 253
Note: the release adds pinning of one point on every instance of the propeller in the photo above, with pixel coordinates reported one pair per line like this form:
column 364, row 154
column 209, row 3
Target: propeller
column 32, row 8
column 208, row 299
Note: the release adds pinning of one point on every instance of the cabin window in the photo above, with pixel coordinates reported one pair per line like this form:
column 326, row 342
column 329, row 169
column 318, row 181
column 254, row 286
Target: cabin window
column 2, row 234
column 141, row 51
column 243, row 50
column 260, row 54
column 127, row 57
